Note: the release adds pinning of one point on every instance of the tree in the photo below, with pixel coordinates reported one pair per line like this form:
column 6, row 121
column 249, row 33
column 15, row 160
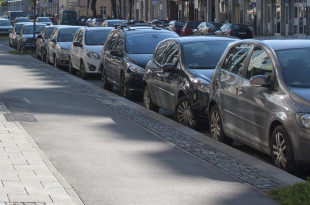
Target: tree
column 93, row 8
column 4, row 3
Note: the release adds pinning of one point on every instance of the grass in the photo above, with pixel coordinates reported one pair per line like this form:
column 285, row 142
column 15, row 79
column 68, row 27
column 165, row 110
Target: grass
column 298, row 194
column 4, row 36
column 27, row 52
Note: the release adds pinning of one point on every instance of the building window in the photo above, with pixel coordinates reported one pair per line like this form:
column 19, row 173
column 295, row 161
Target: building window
column 101, row 10
column 104, row 10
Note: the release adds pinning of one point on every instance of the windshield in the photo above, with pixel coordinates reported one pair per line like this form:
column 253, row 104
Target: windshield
column 193, row 24
column 47, row 19
column 48, row 32
column 5, row 23
column 145, row 43
column 96, row 37
column 18, row 27
column 29, row 29
column 295, row 65
column 203, row 55
column 67, row 34
column 22, row 20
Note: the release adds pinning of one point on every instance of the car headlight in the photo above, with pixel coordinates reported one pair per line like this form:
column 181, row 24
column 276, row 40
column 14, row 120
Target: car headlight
column 64, row 51
column 202, row 85
column 135, row 68
column 92, row 55
column 303, row 119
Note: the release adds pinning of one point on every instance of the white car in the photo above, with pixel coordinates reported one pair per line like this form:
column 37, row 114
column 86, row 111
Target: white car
column 85, row 51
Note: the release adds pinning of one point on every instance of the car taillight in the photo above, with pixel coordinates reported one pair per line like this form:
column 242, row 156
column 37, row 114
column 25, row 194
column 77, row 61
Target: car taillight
column 175, row 29
column 209, row 30
column 95, row 23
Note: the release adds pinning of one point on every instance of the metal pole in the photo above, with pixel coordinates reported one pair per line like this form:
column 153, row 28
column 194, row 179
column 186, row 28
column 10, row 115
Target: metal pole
column 34, row 18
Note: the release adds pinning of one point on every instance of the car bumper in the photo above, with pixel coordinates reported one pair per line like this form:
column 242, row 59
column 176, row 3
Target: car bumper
column 302, row 147
column 92, row 66
column 200, row 104
column 63, row 59
column 134, row 82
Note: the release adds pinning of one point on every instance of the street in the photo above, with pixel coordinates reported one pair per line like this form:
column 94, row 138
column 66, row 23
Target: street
column 113, row 151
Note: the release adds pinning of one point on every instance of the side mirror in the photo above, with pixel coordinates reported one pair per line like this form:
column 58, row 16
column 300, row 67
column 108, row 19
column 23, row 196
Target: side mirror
column 39, row 36
column 53, row 40
column 115, row 53
column 169, row 68
column 77, row 44
column 259, row 81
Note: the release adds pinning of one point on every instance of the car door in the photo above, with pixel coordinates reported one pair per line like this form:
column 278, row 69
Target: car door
column 49, row 46
column 109, row 59
column 53, row 45
column 118, row 63
column 167, row 82
column 255, row 99
column 75, row 54
column 156, row 72
column 39, row 41
column 228, row 85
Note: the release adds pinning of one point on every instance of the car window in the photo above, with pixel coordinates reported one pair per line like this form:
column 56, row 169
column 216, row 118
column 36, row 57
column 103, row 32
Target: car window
column 80, row 37
column 160, row 52
column 260, row 64
column 96, row 37
column 113, row 41
column 120, row 45
column 66, row 34
column 235, row 58
column 48, row 32
column 172, row 54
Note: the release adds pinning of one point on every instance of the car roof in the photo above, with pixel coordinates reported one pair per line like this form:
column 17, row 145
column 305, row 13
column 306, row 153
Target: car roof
column 65, row 26
column 191, row 39
column 97, row 28
column 31, row 23
column 281, row 44
column 145, row 29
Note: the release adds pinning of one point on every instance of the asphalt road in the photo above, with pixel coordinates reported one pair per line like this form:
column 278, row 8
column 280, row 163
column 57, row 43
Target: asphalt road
column 106, row 158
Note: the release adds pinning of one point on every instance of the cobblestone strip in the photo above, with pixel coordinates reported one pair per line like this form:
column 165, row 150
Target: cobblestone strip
column 24, row 176
column 235, row 167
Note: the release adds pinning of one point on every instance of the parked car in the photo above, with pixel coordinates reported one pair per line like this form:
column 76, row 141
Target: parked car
column 15, row 31
column 113, row 22
column 189, row 27
column 96, row 22
column 88, row 22
column 42, row 41
column 236, row 30
column 45, row 20
column 85, row 52
column 83, row 22
column 160, row 23
column 260, row 96
column 178, row 76
column 125, row 55
column 25, row 38
column 21, row 19
column 58, row 45
column 207, row 28
column 5, row 26
column 137, row 23
column 176, row 26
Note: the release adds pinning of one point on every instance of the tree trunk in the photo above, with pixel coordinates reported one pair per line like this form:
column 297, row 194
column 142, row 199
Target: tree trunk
column 93, row 8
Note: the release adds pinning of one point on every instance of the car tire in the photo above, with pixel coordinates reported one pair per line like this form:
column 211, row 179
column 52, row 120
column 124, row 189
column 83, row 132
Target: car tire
column 216, row 127
column 42, row 55
column 281, row 150
column 47, row 58
column 183, row 113
column 83, row 71
column 124, row 89
column 71, row 70
column 147, row 100
column 104, row 83
column 37, row 55
column 56, row 62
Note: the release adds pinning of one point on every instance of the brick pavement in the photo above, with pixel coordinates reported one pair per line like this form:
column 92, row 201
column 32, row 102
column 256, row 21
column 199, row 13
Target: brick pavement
column 27, row 177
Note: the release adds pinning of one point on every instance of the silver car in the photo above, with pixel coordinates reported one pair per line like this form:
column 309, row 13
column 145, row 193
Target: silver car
column 259, row 95
column 5, row 26
column 15, row 31
column 58, row 45
column 25, row 37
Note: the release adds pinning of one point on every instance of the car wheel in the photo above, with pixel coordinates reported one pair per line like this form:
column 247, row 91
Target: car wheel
column 83, row 71
column 281, row 151
column 56, row 62
column 104, row 83
column 37, row 55
column 184, row 114
column 124, row 90
column 42, row 55
column 47, row 58
column 147, row 100
column 71, row 70
column 216, row 127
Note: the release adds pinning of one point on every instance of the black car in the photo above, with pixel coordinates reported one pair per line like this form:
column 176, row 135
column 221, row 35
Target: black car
column 176, row 26
column 42, row 41
column 178, row 76
column 125, row 54
column 236, row 30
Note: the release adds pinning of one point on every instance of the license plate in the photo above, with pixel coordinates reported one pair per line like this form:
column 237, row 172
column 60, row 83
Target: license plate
column 242, row 33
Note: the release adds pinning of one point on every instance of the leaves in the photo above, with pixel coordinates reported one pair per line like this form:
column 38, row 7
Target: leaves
column 4, row 3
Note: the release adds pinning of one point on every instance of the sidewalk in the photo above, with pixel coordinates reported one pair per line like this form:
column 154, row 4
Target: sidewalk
column 27, row 177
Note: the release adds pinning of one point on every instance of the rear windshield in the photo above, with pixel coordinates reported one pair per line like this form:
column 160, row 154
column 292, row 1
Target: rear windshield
column 44, row 19
column 23, row 20
column 48, row 32
column 96, row 37
column 179, row 24
column 145, row 43
column 28, row 29
column 239, row 26
column 204, row 55
column 193, row 24
column 295, row 65
column 5, row 23
column 67, row 34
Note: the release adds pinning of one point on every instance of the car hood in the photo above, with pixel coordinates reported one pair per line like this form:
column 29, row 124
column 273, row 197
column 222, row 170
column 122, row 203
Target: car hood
column 5, row 27
column 301, row 96
column 95, row 49
column 65, row 45
column 140, row 59
column 204, row 73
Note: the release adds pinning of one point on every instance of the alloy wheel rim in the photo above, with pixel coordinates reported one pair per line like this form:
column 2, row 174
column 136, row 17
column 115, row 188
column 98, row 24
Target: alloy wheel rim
column 279, row 150
column 185, row 115
column 215, row 125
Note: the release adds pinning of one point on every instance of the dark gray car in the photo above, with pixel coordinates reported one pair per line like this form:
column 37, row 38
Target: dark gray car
column 260, row 95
